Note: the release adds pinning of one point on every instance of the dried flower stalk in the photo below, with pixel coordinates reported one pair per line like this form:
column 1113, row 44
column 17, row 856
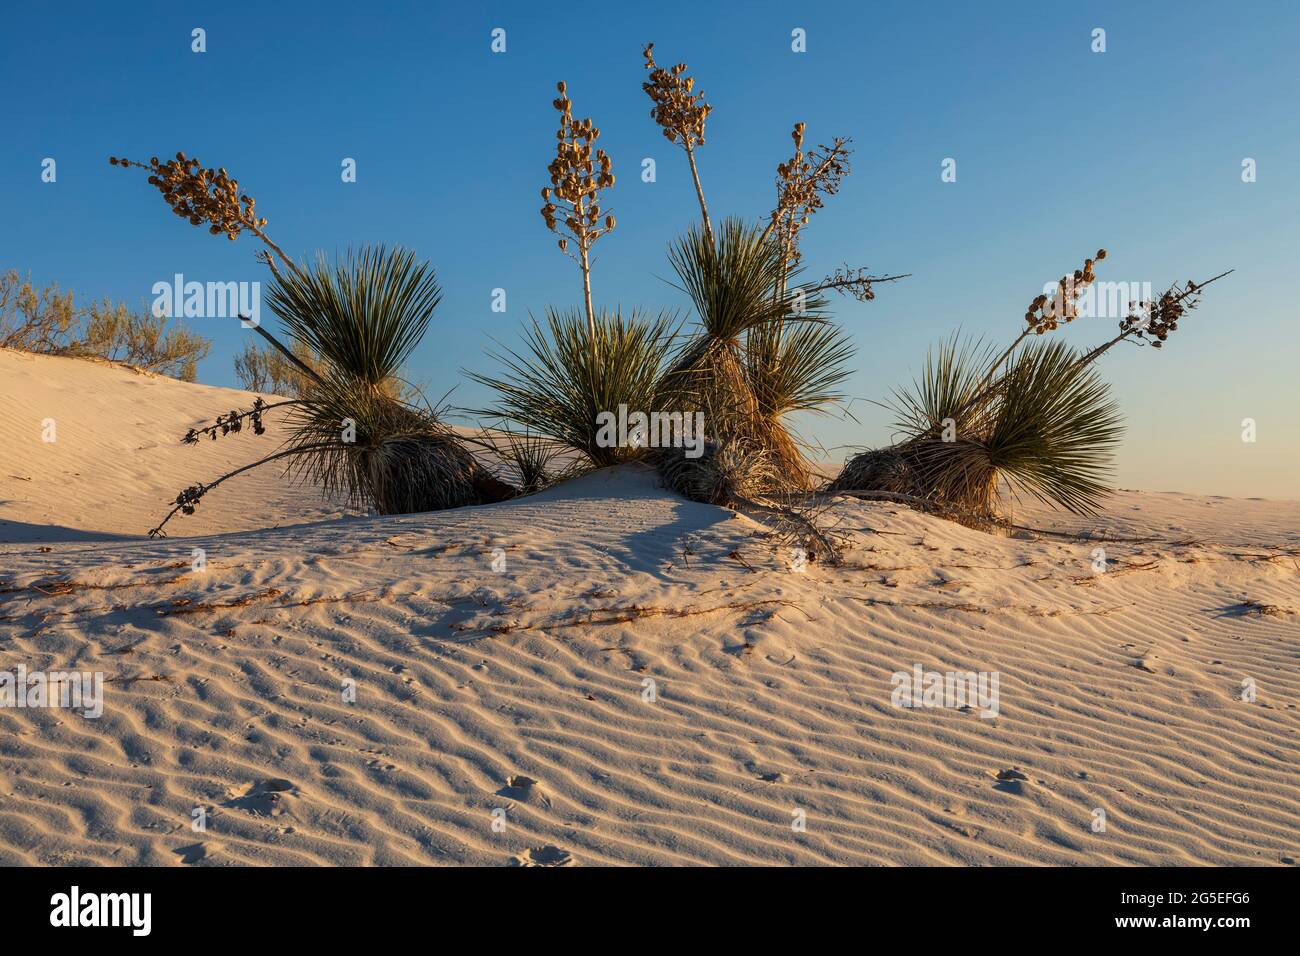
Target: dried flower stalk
column 681, row 113
column 859, row 282
column 578, row 173
column 1046, row 313
column 801, row 183
column 1153, row 322
column 199, row 195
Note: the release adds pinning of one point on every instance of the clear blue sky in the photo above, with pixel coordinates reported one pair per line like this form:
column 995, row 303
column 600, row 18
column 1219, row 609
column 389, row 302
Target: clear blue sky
column 1059, row 151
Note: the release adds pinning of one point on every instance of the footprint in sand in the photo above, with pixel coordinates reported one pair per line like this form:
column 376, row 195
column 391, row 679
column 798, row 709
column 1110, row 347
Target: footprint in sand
column 549, row 855
column 1011, row 781
column 767, row 776
column 192, row 854
column 522, row 789
column 263, row 799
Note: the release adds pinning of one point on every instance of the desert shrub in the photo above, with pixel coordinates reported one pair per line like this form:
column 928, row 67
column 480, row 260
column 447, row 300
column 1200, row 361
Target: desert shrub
column 50, row 322
column 34, row 320
column 796, row 367
column 265, row 369
column 761, row 349
column 142, row 340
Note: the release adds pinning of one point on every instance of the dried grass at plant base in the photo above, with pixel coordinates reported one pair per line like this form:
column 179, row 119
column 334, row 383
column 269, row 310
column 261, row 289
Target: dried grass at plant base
column 725, row 474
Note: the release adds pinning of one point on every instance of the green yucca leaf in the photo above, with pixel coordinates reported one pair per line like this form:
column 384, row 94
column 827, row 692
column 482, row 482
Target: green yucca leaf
column 796, row 367
column 1043, row 423
column 947, row 389
column 537, row 461
column 364, row 315
column 1055, row 429
column 563, row 378
column 731, row 280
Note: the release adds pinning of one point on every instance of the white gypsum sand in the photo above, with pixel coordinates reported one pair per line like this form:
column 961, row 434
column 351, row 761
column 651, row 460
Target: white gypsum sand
column 524, row 688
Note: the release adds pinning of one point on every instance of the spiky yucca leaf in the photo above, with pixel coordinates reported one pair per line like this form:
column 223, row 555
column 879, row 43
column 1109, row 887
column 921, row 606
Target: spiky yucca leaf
column 1056, row 428
column 532, row 457
column 364, row 314
column 565, row 378
column 797, row 367
column 947, row 389
column 1046, row 425
column 730, row 280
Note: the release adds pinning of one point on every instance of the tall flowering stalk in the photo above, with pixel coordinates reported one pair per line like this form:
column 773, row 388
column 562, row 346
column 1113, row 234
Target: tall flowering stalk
column 1046, row 313
column 801, row 182
column 681, row 113
column 1153, row 322
column 572, row 202
column 762, row 352
column 198, row 195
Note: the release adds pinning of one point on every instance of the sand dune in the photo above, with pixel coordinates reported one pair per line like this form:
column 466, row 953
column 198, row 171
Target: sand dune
column 606, row 673
column 117, row 462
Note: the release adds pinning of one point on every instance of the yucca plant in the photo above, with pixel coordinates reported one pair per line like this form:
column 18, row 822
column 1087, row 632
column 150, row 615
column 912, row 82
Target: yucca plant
column 1054, row 429
column 350, row 431
column 1047, row 427
column 537, row 462
column 569, row 372
column 758, row 354
column 1035, row 417
column 364, row 314
column 729, row 277
column 794, row 367
column 356, row 441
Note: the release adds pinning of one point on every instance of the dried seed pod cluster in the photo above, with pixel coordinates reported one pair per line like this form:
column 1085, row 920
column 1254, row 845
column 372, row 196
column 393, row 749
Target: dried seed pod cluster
column 200, row 195
column 678, row 110
column 1154, row 321
column 855, row 282
column 1047, row 312
column 189, row 499
column 801, row 184
column 233, row 421
column 578, row 173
